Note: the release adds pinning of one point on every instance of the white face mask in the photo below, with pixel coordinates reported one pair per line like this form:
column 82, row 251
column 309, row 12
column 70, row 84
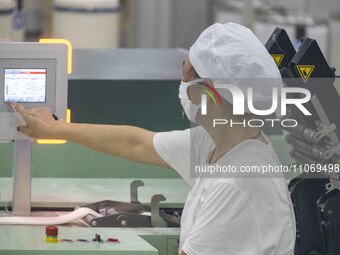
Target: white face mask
column 189, row 108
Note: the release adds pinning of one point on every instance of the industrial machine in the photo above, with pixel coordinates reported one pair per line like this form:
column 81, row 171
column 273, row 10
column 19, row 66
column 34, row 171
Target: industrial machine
column 35, row 75
column 315, row 144
column 103, row 83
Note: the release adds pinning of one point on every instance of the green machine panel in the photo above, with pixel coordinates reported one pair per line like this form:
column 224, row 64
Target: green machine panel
column 28, row 240
column 128, row 87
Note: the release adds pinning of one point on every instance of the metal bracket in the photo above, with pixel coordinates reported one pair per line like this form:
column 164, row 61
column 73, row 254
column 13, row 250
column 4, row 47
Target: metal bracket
column 328, row 127
column 134, row 190
column 156, row 219
column 326, row 130
column 334, row 150
column 334, row 183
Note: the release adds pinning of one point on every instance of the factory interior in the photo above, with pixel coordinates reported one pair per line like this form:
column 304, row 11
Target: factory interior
column 121, row 64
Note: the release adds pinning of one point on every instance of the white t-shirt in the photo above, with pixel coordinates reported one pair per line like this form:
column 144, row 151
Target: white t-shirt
column 229, row 216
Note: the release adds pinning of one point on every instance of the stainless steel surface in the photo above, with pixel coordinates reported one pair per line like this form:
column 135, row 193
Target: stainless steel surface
column 22, row 172
column 128, row 64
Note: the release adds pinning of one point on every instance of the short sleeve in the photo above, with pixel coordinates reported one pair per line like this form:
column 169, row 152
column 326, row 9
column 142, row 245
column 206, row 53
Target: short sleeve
column 225, row 225
column 174, row 148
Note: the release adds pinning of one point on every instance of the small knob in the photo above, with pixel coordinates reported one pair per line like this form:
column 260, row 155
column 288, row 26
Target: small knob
column 123, row 220
column 51, row 231
column 51, row 234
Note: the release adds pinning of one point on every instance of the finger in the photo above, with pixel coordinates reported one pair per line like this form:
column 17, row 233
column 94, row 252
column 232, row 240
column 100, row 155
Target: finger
column 20, row 109
column 12, row 104
column 17, row 107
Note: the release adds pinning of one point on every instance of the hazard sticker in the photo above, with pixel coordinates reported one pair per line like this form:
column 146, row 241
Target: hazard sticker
column 278, row 58
column 305, row 71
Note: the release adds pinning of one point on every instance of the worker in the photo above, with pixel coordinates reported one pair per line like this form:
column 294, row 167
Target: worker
column 223, row 215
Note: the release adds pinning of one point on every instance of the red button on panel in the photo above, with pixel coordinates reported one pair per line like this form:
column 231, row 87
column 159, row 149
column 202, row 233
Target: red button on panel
column 52, row 231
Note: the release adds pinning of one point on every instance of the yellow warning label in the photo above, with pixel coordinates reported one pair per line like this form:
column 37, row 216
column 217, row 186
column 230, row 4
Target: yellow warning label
column 278, row 58
column 305, row 71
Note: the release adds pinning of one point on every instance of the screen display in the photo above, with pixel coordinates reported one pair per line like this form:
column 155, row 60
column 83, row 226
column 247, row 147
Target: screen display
column 25, row 85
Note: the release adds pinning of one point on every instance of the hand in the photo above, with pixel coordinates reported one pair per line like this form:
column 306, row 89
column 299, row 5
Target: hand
column 40, row 123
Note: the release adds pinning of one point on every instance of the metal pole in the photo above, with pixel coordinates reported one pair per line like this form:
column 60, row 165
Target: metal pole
column 22, row 173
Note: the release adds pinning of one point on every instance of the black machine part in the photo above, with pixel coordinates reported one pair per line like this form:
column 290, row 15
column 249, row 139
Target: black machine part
column 314, row 151
column 305, row 192
column 319, row 81
column 133, row 214
column 311, row 135
column 279, row 44
column 315, row 141
column 120, row 214
column 329, row 211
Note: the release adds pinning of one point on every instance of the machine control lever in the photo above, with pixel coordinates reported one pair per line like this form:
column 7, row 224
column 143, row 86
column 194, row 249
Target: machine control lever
column 156, row 220
column 134, row 190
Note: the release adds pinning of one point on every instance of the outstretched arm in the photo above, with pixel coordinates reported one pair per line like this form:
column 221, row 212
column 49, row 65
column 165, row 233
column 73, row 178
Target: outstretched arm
column 127, row 142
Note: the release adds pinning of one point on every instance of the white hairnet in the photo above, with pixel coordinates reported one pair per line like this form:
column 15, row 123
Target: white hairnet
column 232, row 52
